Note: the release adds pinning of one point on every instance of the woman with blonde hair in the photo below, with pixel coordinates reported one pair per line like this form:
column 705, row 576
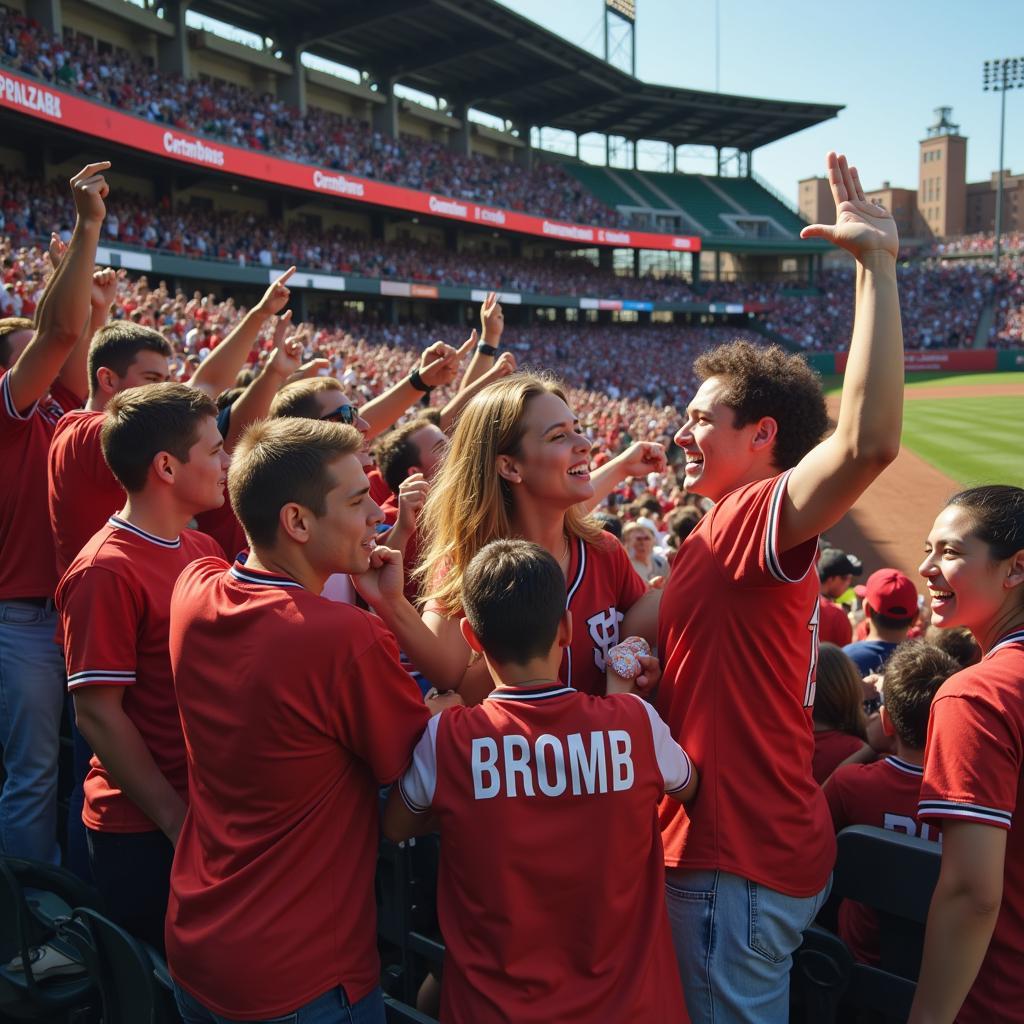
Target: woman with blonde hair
column 518, row 465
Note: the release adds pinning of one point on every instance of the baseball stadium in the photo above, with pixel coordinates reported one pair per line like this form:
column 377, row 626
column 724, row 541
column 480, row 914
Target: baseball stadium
column 422, row 430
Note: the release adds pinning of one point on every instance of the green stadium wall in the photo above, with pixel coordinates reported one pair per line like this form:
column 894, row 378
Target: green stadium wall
column 971, row 360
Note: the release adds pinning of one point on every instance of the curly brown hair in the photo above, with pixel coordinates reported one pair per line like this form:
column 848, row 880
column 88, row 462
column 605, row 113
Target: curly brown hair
column 769, row 381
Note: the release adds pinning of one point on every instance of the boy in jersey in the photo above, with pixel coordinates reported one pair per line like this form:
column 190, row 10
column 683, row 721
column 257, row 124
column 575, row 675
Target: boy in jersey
column 162, row 443
column 534, row 933
column 271, row 911
column 738, row 624
column 885, row 793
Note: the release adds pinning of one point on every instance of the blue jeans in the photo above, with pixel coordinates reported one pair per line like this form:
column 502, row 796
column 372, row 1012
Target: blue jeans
column 332, row 1007
column 32, row 688
column 734, row 943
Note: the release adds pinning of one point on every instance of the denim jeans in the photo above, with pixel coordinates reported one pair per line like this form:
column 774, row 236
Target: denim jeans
column 734, row 943
column 332, row 1007
column 32, row 688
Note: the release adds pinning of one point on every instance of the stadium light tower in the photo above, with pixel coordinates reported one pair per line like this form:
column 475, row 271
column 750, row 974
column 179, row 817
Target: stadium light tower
column 999, row 76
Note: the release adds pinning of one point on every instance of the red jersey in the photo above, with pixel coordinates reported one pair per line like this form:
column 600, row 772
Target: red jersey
column 973, row 772
column 411, row 588
column 27, row 566
column 295, row 710
column 379, row 490
column 831, row 749
column 530, row 776
column 738, row 639
column 833, row 624
column 115, row 604
column 83, row 492
column 602, row 587
column 883, row 794
column 223, row 526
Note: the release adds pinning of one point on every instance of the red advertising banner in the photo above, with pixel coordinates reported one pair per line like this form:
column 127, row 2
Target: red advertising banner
column 971, row 360
column 53, row 105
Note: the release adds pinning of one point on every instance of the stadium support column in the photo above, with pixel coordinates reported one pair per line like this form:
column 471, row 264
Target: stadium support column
column 292, row 88
column 524, row 155
column 458, row 138
column 385, row 115
column 173, row 51
column 48, row 13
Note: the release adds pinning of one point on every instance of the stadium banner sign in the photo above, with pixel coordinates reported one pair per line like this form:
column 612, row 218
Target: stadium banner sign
column 58, row 107
column 970, row 360
column 300, row 279
column 508, row 298
column 1010, row 359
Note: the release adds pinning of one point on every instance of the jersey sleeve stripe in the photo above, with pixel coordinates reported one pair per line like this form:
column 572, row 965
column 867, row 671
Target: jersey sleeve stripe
column 772, row 559
column 90, row 676
column 408, row 801
column 689, row 775
column 5, row 387
column 960, row 809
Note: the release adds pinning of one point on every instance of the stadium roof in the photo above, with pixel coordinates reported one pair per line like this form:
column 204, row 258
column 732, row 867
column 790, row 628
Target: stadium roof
column 481, row 53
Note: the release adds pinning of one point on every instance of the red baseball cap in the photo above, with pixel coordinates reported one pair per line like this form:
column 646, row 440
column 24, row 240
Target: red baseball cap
column 890, row 593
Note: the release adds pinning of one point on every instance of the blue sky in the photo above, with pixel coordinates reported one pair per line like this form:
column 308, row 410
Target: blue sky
column 891, row 63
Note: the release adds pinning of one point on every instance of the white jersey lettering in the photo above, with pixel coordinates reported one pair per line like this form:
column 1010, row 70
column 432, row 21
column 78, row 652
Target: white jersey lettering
column 604, row 631
column 552, row 766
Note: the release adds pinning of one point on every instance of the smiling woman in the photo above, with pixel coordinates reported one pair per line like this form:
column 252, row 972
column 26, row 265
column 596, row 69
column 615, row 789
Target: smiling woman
column 518, row 466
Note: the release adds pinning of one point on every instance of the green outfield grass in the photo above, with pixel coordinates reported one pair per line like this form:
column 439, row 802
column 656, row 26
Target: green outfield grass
column 833, row 382
column 972, row 440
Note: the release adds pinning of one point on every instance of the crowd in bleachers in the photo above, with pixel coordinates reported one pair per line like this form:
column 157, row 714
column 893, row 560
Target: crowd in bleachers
column 238, row 116
column 314, row 560
column 979, row 243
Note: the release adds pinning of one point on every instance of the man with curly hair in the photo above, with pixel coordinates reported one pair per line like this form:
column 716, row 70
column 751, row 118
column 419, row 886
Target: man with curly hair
column 749, row 864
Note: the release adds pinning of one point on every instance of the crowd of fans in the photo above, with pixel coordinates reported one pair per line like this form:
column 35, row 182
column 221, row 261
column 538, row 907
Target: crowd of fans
column 241, row 718
column 942, row 300
column 238, row 116
column 981, row 242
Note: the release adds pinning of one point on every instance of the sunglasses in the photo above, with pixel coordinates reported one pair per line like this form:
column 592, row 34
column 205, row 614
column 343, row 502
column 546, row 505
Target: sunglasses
column 343, row 414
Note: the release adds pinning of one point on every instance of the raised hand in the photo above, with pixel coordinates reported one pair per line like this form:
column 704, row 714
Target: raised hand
column 643, row 457
column 383, row 581
column 308, row 370
column 439, row 363
column 276, row 297
column 56, row 250
column 104, row 289
column 861, row 227
column 412, row 493
column 89, row 188
column 492, row 320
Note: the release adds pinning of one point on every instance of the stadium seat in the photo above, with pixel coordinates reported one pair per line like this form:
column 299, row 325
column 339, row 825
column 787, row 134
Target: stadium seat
column 131, row 976
column 819, row 978
column 406, row 913
column 40, row 974
column 399, row 1013
column 894, row 875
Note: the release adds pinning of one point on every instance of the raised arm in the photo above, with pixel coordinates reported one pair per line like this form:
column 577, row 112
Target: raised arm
column 217, row 372
column 74, row 374
column 492, row 325
column 439, row 363
column 505, row 364
column 830, row 478
column 64, row 307
column 639, row 459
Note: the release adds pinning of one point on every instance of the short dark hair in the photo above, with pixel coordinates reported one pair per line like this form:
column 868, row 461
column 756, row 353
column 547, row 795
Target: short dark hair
column 768, row 381
column 997, row 511
column 959, row 643
column 913, row 675
column 282, row 460
column 396, row 453
column 891, row 621
column 115, row 346
column 141, row 422
column 299, row 398
column 683, row 521
column 609, row 524
column 11, row 325
column 513, row 594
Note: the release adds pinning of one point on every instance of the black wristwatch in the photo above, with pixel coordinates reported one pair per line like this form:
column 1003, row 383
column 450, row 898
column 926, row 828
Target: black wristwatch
column 418, row 382
column 487, row 350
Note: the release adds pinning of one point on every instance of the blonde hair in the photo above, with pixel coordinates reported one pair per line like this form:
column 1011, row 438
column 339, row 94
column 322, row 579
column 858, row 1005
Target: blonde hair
column 470, row 504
